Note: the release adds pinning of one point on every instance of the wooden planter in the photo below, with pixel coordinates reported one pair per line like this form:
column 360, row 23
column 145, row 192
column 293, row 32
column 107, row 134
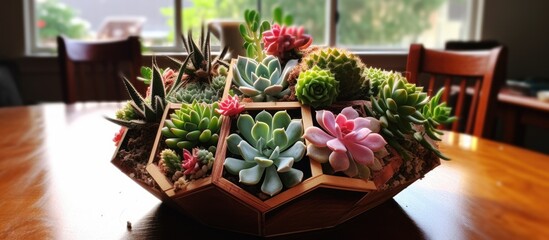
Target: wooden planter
column 320, row 201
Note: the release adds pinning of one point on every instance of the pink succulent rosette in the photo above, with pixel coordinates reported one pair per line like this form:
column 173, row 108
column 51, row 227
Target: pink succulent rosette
column 190, row 161
column 230, row 106
column 345, row 140
column 281, row 39
column 168, row 77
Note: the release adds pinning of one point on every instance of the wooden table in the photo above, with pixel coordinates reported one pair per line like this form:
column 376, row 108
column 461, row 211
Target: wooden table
column 57, row 183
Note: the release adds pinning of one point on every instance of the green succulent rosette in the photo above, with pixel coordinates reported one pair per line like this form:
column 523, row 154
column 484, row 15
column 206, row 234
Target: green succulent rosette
column 317, row 87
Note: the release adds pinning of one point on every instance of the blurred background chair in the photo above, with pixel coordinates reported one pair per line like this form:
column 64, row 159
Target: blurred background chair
column 479, row 73
column 91, row 70
column 9, row 93
column 472, row 45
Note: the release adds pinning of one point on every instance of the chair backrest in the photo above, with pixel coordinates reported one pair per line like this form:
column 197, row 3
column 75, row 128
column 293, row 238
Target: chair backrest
column 477, row 73
column 91, row 70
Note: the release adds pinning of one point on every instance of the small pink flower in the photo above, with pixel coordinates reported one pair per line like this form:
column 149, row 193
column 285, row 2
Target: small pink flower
column 190, row 161
column 281, row 39
column 230, row 106
column 118, row 136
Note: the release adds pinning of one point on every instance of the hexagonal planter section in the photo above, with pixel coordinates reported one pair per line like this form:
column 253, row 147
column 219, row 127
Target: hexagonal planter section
column 136, row 144
column 192, row 196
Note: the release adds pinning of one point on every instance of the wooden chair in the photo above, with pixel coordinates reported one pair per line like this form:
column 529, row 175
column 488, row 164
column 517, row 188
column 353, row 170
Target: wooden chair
column 91, row 70
column 481, row 73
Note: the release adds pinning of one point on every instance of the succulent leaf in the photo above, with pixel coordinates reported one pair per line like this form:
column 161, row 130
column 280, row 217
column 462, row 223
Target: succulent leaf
column 291, row 177
column 252, row 175
column 272, row 183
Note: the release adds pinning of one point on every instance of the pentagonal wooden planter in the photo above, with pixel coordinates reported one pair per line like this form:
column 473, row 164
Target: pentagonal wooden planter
column 320, row 201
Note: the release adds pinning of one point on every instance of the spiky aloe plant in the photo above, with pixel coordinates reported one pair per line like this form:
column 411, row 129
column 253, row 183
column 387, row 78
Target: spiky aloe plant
column 399, row 107
column 346, row 67
column 268, row 146
column 148, row 110
column 262, row 81
column 201, row 67
column 192, row 125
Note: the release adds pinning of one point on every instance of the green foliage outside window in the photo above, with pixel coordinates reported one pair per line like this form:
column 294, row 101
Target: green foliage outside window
column 54, row 18
column 361, row 22
column 203, row 10
column 383, row 22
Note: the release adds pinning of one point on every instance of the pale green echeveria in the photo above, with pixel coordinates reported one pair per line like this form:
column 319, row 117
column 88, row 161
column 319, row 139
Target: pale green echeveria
column 316, row 87
column 262, row 81
column 269, row 145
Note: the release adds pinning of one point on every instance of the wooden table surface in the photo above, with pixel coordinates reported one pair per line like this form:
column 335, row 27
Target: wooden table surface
column 57, row 182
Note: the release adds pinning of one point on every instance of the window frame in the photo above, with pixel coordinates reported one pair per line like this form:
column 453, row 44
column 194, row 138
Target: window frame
column 473, row 23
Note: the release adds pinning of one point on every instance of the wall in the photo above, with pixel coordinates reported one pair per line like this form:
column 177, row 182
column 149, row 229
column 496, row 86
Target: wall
column 522, row 26
column 12, row 41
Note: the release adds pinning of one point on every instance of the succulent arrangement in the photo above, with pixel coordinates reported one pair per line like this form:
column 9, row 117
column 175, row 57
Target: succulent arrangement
column 198, row 84
column 398, row 123
column 267, row 147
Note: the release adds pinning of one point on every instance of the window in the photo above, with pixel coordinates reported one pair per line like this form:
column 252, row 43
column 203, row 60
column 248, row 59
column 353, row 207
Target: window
column 356, row 24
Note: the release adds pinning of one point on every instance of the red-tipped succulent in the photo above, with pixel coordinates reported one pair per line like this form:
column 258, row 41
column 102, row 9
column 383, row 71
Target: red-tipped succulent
column 285, row 42
column 190, row 162
column 230, row 106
